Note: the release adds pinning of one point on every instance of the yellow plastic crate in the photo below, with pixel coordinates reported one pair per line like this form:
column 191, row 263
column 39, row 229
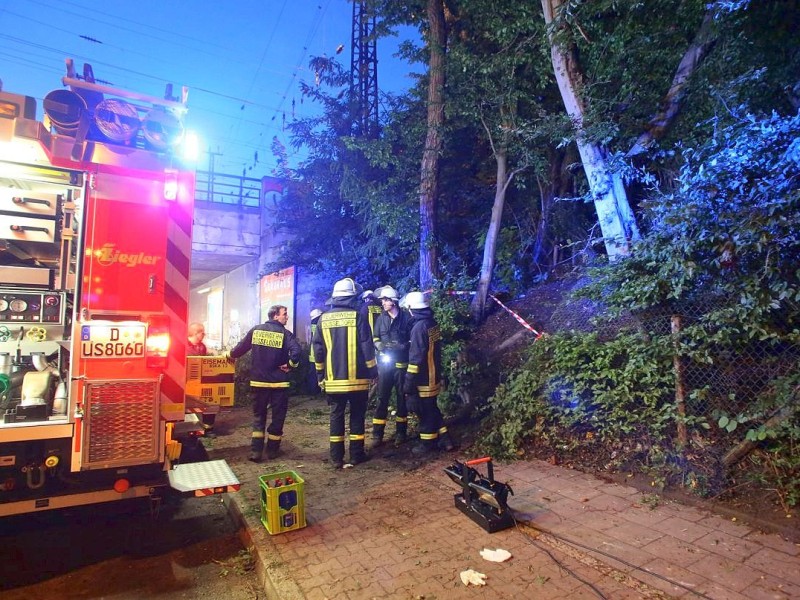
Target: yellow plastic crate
column 283, row 506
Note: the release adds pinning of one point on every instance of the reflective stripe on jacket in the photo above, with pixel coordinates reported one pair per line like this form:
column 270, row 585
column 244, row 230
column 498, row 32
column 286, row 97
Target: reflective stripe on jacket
column 343, row 350
column 272, row 345
column 425, row 353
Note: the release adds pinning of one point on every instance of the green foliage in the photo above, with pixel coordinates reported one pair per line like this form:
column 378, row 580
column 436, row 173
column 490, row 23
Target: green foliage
column 722, row 233
column 520, row 407
column 722, row 249
column 612, row 390
column 452, row 314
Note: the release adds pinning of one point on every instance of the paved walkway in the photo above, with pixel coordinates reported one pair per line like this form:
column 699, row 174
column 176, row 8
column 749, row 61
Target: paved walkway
column 389, row 529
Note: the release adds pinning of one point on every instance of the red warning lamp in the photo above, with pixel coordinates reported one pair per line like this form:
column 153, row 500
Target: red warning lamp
column 158, row 340
column 170, row 185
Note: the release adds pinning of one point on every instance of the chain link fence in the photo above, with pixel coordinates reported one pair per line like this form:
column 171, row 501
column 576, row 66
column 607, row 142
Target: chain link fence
column 717, row 372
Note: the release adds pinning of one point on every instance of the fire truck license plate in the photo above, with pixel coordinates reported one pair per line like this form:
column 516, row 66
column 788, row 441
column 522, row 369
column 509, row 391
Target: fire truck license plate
column 112, row 341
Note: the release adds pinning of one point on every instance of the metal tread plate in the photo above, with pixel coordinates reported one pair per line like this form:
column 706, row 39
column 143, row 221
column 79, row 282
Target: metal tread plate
column 204, row 478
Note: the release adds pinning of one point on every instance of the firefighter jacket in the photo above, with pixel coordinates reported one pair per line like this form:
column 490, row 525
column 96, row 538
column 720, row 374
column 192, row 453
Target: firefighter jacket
column 343, row 349
column 272, row 346
column 424, row 354
column 391, row 336
column 370, row 311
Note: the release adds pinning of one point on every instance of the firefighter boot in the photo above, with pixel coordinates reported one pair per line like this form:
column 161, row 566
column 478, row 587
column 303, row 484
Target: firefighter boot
column 337, row 456
column 357, row 454
column 273, row 449
column 377, row 435
column 425, row 447
column 445, row 441
column 400, row 434
column 256, row 448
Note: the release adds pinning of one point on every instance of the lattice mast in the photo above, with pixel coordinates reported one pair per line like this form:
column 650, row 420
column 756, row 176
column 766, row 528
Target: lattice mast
column 364, row 70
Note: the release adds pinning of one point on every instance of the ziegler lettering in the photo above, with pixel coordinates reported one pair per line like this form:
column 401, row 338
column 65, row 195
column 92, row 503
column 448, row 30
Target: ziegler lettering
column 273, row 339
column 108, row 255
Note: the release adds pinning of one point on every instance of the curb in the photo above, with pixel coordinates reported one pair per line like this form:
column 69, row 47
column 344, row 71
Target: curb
column 271, row 574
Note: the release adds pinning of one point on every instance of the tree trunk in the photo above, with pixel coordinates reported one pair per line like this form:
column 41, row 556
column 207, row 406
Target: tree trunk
column 429, row 176
column 555, row 187
column 614, row 213
column 680, row 381
column 697, row 51
column 490, row 245
column 742, row 449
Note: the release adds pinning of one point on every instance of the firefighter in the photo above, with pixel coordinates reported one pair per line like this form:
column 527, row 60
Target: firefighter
column 391, row 336
column 313, row 386
column 423, row 374
column 371, row 308
column 275, row 351
column 345, row 365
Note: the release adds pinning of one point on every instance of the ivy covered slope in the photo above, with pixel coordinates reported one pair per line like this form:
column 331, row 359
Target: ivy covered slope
column 690, row 373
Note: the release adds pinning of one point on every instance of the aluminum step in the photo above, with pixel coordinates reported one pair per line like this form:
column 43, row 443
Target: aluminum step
column 204, row 478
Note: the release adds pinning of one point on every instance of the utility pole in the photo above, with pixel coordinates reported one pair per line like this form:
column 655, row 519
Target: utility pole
column 364, row 70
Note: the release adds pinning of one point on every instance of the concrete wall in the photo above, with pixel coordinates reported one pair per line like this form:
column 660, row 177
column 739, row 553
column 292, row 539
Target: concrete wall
column 232, row 230
column 239, row 304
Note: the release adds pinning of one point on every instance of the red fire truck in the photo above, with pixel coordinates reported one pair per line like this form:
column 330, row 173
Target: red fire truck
column 95, row 246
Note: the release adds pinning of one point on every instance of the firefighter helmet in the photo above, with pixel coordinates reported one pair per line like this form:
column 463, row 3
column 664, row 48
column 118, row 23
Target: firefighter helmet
column 315, row 313
column 367, row 294
column 389, row 293
column 344, row 288
column 416, row 300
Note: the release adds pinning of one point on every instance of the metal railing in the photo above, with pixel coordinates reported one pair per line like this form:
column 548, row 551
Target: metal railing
column 233, row 190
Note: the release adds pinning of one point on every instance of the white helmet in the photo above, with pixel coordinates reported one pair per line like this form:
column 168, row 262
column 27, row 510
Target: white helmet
column 388, row 292
column 315, row 313
column 415, row 300
column 367, row 294
column 344, row 288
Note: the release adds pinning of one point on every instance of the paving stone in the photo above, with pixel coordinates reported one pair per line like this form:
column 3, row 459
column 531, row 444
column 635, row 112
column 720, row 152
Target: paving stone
column 617, row 489
column 775, row 542
column 389, row 529
column 733, row 528
column 772, row 588
column 675, row 551
column 681, row 529
column 727, row 572
column 778, row 564
column 730, row 546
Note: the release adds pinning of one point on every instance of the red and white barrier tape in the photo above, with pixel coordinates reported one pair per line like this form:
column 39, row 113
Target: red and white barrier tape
column 519, row 319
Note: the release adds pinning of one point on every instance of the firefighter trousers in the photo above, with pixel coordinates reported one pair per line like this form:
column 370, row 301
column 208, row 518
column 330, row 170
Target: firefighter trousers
column 390, row 380
column 358, row 414
column 431, row 423
column 263, row 400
